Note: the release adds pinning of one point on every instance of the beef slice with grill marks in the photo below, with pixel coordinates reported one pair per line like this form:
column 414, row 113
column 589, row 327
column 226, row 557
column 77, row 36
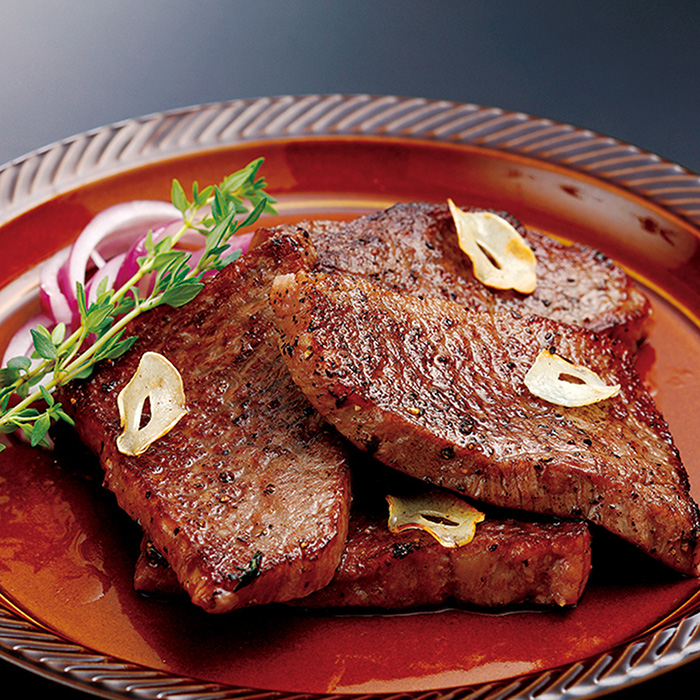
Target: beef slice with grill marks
column 438, row 392
column 413, row 247
column 247, row 497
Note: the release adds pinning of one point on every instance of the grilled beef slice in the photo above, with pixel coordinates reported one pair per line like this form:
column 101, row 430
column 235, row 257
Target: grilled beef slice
column 248, row 496
column 413, row 247
column 508, row 562
column 437, row 391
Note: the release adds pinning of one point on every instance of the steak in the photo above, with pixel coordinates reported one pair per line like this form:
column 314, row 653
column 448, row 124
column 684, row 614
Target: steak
column 247, row 497
column 508, row 562
column 152, row 573
column 413, row 247
column 438, row 392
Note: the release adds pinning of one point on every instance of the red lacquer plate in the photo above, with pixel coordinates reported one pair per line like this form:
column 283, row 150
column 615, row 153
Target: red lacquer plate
column 67, row 607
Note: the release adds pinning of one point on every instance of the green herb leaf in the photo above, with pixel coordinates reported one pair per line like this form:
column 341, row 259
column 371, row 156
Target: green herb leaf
column 182, row 294
column 20, row 363
column 118, row 349
column 250, row 572
column 8, row 376
column 178, row 197
column 43, row 345
column 61, row 357
column 46, row 396
column 40, row 429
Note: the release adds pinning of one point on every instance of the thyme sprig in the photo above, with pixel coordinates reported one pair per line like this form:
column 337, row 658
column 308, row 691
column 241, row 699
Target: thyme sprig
column 58, row 357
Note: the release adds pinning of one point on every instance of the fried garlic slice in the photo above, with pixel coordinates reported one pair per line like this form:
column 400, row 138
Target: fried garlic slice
column 449, row 519
column 563, row 383
column 157, row 380
column 500, row 256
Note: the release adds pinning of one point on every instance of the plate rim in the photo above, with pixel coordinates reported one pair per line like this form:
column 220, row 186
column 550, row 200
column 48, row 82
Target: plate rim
column 65, row 165
column 108, row 150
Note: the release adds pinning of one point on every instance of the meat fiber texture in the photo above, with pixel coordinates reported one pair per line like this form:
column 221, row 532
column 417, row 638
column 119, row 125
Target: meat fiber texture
column 248, row 496
column 509, row 562
column 438, row 392
column 413, row 247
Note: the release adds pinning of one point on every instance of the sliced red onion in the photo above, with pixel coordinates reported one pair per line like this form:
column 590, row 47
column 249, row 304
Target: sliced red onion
column 112, row 243
column 54, row 302
column 191, row 241
column 137, row 249
column 21, row 342
column 109, row 270
column 241, row 242
column 112, row 226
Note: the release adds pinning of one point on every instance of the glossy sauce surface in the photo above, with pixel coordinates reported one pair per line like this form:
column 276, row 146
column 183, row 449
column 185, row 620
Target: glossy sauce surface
column 67, row 552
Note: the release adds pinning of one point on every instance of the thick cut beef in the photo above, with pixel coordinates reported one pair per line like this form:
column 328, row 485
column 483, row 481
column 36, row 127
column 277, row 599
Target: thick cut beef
column 508, row 562
column 413, row 247
column 437, row 391
column 248, row 496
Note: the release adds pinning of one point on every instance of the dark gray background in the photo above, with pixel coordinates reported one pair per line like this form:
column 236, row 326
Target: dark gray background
column 623, row 68
column 627, row 69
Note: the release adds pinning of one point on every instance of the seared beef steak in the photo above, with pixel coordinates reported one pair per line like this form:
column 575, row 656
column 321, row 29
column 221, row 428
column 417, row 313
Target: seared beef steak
column 437, row 391
column 508, row 562
column 248, row 496
column 413, row 247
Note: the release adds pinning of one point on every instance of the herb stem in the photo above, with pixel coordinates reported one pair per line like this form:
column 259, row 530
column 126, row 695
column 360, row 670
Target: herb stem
column 106, row 318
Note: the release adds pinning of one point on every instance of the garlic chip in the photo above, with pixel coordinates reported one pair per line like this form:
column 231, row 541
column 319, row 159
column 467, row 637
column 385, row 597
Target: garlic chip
column 500, row 256
column 561, row 382
column 449, row 519
column 157, row 380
